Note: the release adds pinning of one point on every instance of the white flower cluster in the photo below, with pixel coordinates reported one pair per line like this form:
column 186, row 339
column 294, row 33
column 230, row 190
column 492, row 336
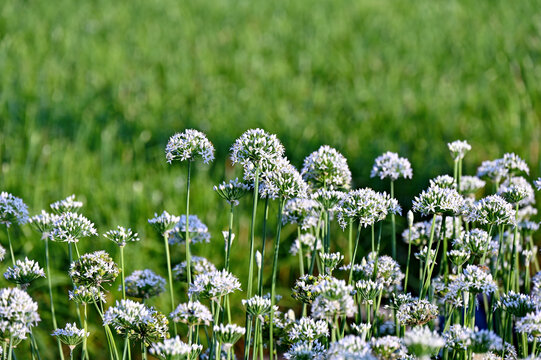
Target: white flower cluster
column 476, row 241
column 443, row 181
column 416, row 312
column 228, row 334
column 189, row 145
column 284, row 182
column 326, row 168
column 331, row 260
column 175, row 348
column 475, row 280
column 214, row 284
column 366, row 206
column 491, row 210
column 200, row 265
column 458, row 149
column 388, row 347
column 517, row 190
column 530, row 324
column 12, row 210
column 255, row 147
column 388, row 271
column 71, row 335
column 537, row 183
column 24, row 272
column 18, row 314
column 471, row 184
column 458, row 337
column 391, row 166
column 71, row 227
column 368, row 290
column 144, row 284
column 497, row 169
column 69, row 204
column 438, row 200
column 517, row 304
column 334, row 299
column 308, row 329
column 84, row 294
column 329, row 200
column 94, row 269
column 257, row 306
column 121, row 236
column 43, row 222
column 192, row 313
column 163, row 222
column 198, row 231
column 232, row 191
column 306, row 350
column 349, row 347
column 301, row 211
column 307, row 242
column 423, row 342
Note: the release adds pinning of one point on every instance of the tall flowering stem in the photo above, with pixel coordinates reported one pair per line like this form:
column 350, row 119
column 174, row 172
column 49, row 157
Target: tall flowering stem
column 49, row 283
column 393, row 225
column 187, row 238
column 425, row 281
column 274, row 273
column 170, row 275
column 263, row 245
column 252, row 235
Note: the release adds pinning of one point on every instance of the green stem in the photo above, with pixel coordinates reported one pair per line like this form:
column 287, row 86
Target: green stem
column 170, row 275
column 274, row 273
column 393, row 223
column 301, row 255
column 354, row 254
column 252, row 235
column 263, row 246
column 228, row 247
column 85, row 327
column 122, row 272
column 187, row 236
column 49, row 283
column 10, row 246
column 425, row 271
column 408, row 261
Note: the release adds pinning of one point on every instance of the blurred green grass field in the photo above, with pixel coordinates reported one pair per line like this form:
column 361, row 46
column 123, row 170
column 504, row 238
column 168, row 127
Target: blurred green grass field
column 90, row 92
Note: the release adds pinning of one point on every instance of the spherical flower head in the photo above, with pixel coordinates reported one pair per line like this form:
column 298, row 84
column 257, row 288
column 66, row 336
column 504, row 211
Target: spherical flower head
column 514, row 164
column 198, row 231
column 350, row 347
column 306, row 350
column 515, row 304
column 368, row 290
column 43, row 223
column 69, row 204
column 423, row 342
column 530, row 324
column 71, row 227
column 163, row 222
column 232, row 191
column 137, row 321
column 458, row 149
column 256, row 146
column 537, row 184
column 301, row 211
column 443, row 181
column 484, row 341
column 416, row 312
column 471, row 184
column 326, row 168
column 388, row 348
column 175, row 349
column 284, row 183
column 308, row 329
column 458, row 337
column 365, row 206
column 24, row 272
column 12, row 210
column 307, row 288
column 200, row 265
column 458, row 256
column 307, row 242
column 517, row 190
column 189, row 145
column 144, row 284
column 388, row 271
column 330, row 261
column 391, row 166
column 493, row 170
column 329, row 200
column 2, row 253
column 492, row 210
column 192, row 313
column 334, row 299
column 214, row 285
column 121, row 236
column 476, row 280
column 94, row 269
column 438, row 200
column 228, row 334
column 86, row 294
column 257, row 306
column 71, row 335
column 476, row 241
column 18, row 314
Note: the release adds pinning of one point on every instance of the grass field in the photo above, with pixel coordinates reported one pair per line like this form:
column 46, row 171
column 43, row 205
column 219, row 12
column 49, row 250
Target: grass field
column 91, row 91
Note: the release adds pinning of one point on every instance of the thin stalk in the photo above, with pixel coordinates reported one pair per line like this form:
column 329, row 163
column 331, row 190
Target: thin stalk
column 49, row 283
column 350, row 240
column 248, row 337
column 393, row 223
column 122, row 272
column 85, row 327
column 274, row 273
column 354, row 254
column 10, row 351
column 187, row 236
column 10, row 246
column 170, row 276
column 229, row 236
column 263, row 246
column 252, row 235
column 425, row 271
column 301, row 255
column 408, row 261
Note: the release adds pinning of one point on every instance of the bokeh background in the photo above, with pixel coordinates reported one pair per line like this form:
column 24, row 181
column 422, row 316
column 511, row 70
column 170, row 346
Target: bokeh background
column 91, row 91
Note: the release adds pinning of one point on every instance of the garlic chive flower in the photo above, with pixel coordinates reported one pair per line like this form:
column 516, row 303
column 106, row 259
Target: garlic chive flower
column 256, row 146
column 476, row 241
column 200, row 265
column 2, row 253
column 517, row 190
column 423, row 342
column 349, row 347
column 232, row 191
column 24, row 272
column 484, row 341
column 94, row 269
column 530, row 324
column 71, row 227
column 514, row 164
column 326, row 168
column 391, row 166
column 163, row 222
column 86, row 294
column 492, row 210
column 471, row 184
column 334, row 300
column 308, row 329
column 175, row 349
column 198, row 231
column 12, row 210
column 328, row 199
column 475, row 280
column 192, row 313
column 368, row 290
column 137, row 321
column 388, row 271
column 305, row 350
column 18, row 314
column 189, row 145
column 214, row 284
column 331, row 260
column 301, row 211
column 71, row 335
column 388, row 348
column 283, row 183
column 69, row 204
column 515, row 304
column 537, row 184
column 307, row 242
column 307, row 288
column 458, row 257
column 228, row 334
column 493, row 170
column 438, row 200
column 458, row 149
column 144, row 284
column 443, row 181
column 416, row 312
column 257, row 306
column 366, row 206
column 458, row 337
column 43, row 223
column 121, row 236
